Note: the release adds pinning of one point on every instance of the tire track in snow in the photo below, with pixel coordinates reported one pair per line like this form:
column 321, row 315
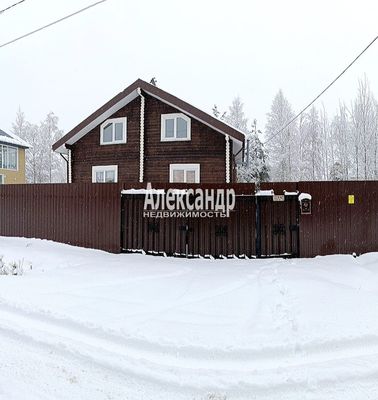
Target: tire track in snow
column 275, row 383
column 189, row 373
column 140, row 345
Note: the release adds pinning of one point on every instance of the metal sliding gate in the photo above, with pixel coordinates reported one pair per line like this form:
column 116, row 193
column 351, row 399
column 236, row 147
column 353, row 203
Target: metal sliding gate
column 257, row 227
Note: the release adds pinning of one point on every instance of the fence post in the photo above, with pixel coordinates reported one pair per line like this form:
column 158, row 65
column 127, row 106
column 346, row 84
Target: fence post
column 123, row 224
column 258, row 227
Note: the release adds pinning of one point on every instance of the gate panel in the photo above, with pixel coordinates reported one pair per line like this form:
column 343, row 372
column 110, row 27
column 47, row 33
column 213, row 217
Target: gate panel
column 235, row 235
column 154, row 235
column 243, row 227
column 221, row 237
column 279, row 226
column 132, row 224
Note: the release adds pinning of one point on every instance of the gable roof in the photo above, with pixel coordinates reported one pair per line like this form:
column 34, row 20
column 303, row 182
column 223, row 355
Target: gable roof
column 11, row 138
column 129, row 94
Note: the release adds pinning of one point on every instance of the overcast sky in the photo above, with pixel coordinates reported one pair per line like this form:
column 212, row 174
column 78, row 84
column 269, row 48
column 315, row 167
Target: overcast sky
column 205, row 52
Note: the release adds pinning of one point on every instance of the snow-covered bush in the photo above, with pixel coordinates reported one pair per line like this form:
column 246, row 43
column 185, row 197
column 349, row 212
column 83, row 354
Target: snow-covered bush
column 215, row 396
column 11, row 268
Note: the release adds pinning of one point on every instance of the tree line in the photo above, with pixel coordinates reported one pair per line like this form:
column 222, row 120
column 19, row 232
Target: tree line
column 315, row 146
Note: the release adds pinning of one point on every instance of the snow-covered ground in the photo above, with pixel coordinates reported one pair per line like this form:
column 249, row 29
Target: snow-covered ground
column 84, row 324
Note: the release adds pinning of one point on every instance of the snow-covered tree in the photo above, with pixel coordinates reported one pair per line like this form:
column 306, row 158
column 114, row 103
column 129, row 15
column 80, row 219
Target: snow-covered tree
column 34, row 155
column 336, row 172
column 235, row 115
column 364, row 131
column 20, row 124
column 312, row 153
column 327, row 148
column 255, row 168
column 282, row 147
column 42, row 164
column 50, row 133
column 341, row 140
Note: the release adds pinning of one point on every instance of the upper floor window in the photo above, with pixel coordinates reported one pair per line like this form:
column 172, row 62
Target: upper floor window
column 114, row 131
column 104, row 174
column 175, row 127
column 8, row 157
column 184, row 173
column 2, row 179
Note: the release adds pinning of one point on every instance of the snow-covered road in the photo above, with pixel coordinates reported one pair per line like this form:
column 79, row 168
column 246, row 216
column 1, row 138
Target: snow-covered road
column 84, row 324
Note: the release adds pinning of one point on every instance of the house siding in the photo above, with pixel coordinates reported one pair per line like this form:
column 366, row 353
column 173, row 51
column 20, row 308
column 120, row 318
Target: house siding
column 15, row 177
column 206, row 147
column 88, row 152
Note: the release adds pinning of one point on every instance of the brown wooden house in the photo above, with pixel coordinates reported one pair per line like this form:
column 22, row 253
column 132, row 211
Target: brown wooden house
column 145, row 134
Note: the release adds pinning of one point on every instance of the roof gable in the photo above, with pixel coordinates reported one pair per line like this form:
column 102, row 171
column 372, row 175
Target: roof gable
column 129, row 94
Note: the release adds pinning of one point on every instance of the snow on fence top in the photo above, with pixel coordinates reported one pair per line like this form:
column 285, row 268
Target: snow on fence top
column 265, row 193
column 269, row 192
column 143, row 191
column 304, row 196
column 153, row 191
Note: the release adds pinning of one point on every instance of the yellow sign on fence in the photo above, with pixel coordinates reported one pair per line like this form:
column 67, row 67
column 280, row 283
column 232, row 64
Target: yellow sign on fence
column 350, row 198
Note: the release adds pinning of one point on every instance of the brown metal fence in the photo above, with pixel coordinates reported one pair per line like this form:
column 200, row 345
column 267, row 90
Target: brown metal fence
column 79, row 214
column 96, row 216
column 336, row 225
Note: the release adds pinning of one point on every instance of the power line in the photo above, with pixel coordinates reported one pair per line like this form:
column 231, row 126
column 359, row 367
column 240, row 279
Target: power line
column 13, row 5
column 322, row 92
column 52, row 23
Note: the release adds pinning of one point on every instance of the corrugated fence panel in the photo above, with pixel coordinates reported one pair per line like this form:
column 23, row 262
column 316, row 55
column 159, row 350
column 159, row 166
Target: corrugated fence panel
column 335, row 226
column 84, row 215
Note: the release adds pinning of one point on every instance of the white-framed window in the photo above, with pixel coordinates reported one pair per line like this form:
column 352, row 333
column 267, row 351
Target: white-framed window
column 175, row 127
column 2, row 179
column 113, row 131
column 184, row 173
column 105, row 173
column 8, row 157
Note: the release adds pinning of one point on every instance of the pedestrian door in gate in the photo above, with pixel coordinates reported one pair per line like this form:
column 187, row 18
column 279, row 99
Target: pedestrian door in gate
column 277, row 226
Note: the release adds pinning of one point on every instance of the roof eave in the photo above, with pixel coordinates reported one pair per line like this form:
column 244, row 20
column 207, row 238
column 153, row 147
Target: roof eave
column 18, row 145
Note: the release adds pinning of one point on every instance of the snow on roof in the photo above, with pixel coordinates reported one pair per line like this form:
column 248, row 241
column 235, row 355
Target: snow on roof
column 11, row 138
column 304, row 196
